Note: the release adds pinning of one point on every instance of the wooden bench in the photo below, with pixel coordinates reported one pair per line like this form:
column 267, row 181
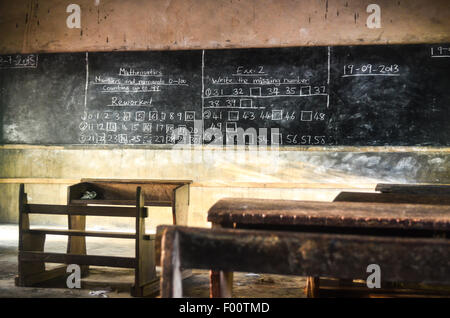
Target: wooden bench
column 32, row 257
column 417, row 260
column 114, row 198
column 382, row 218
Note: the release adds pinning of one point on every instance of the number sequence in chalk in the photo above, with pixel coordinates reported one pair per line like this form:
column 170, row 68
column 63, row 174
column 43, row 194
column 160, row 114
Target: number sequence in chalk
column 136, row 127
column 371, row 69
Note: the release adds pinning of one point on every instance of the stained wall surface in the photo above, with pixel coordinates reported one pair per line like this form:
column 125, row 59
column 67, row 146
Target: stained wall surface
column 37, row 26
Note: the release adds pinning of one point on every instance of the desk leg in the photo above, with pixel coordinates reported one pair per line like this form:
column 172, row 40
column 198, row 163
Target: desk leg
column 221, row 282
column 226, row 284
column 171, row 276
column 312, row 287
column 214, row 284
column 77, row 244
column 180, row 205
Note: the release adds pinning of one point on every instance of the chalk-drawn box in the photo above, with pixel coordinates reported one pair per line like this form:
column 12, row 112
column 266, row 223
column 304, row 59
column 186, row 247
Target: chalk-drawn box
column 181, row 130
column 123, row 138
column 233, row 115
column 305, row 90
column 126, row 116
column 147, row 139
column 277, row 114
column 83, row 126
column 170, row 139
column 153, row 115
column 140, row 116
column 245, row 103
column 306, row 115
column 101, row 138
column 169, row 128
column 255, row 91
column 189, row 115
column 276, row 138
column 196, row 139
column 147, row 127
column 231, row 127
column 111, row 126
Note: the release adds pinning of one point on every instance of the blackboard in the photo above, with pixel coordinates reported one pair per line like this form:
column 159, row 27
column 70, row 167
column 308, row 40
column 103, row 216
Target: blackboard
column 41, row 100
column 382, row 95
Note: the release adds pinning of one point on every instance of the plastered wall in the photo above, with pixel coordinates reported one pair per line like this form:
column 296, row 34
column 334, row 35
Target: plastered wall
column 301, row 175
column 308, row 174
column 40, row 25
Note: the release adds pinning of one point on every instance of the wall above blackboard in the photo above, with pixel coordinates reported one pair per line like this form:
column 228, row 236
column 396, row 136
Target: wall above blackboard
column 390, row 95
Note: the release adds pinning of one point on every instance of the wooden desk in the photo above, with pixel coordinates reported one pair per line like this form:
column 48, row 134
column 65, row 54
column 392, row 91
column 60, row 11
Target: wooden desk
column 254, row 213
column 115, row 198
column 365, row 218
column 169, row 193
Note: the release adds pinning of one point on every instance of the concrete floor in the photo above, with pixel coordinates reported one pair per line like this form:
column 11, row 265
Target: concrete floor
column 116, row 282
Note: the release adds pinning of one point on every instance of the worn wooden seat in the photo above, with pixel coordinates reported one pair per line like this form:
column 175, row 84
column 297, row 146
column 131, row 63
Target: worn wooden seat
column 32, row 257
column 418, row 260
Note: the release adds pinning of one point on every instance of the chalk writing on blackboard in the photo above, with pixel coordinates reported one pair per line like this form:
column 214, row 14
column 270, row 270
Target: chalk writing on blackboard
column 251, row 94
column 371, row 70
column 345, row 95
column 440, row 51
column 134, row 102
column 18, row 61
